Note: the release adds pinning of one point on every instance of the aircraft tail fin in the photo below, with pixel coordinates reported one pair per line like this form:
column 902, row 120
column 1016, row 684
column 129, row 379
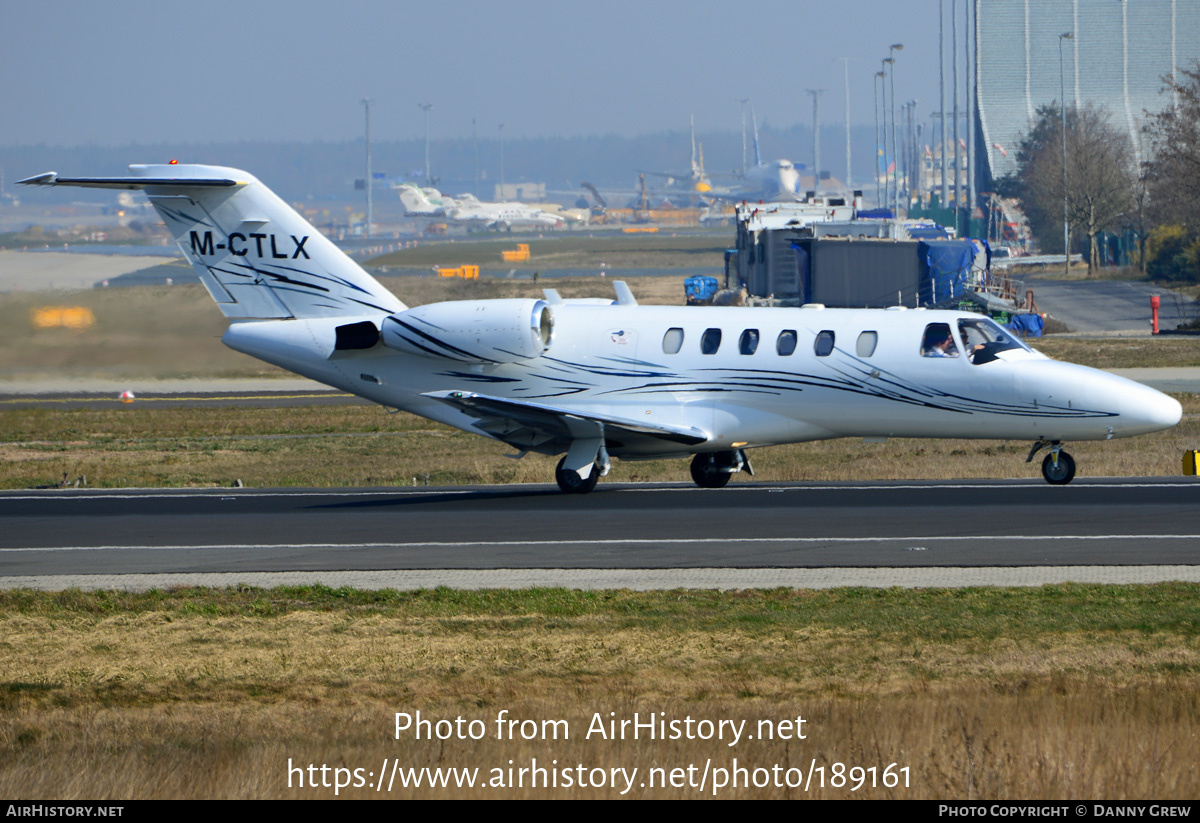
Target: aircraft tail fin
column 256, row 256
column 416, row 203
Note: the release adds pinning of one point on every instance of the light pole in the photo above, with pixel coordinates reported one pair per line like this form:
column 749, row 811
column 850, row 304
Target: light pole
column 941, row 128
column 475, row 146
column 883, row 107
column 878, row 83
column 910, row 152
column 744, row 101
column 1066, row 35
column 846, row 71
column 501, row 130
column 895, row 47
column 816, row 96
column 367, row 101
column 425, row 107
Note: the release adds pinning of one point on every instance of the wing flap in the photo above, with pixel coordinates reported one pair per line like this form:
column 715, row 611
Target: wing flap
column 552, row 422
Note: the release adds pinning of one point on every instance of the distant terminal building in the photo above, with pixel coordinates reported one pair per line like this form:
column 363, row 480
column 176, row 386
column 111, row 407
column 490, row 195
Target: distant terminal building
column 521, row 192
column 1116, row 58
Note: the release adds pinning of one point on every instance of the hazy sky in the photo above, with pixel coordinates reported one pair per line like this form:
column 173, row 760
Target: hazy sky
column 130, row 71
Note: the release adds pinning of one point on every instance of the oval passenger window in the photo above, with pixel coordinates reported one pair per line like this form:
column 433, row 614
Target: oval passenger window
column 748, row 344
column 866, row 343
column 673, row 341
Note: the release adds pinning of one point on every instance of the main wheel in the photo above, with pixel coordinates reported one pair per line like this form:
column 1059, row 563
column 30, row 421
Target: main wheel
column 1060, row 474
column 570, row 482
column 706, row 471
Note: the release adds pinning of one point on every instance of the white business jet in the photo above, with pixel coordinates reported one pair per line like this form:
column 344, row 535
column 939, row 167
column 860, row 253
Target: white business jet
column 469, row 210
column 599, row 379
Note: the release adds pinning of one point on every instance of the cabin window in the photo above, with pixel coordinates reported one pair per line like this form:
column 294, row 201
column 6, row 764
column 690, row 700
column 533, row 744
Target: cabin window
column 673, row 341
column 823, row 346
column 710, row 341
column 938, row 341
column 866, row 343
column 786, row 343
column 748, row 342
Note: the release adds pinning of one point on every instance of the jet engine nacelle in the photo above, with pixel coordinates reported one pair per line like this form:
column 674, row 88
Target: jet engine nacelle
column 475, row 331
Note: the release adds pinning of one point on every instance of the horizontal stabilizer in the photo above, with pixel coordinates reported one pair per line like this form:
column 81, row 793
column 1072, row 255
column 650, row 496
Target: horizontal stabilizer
column 554, row 422
column 51, row 178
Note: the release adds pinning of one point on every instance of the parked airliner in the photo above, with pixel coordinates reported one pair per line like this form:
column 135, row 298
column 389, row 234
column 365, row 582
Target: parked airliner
column 597, row 379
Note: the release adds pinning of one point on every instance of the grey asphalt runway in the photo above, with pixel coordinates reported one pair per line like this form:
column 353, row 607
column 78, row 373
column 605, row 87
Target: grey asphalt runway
column 653, row 535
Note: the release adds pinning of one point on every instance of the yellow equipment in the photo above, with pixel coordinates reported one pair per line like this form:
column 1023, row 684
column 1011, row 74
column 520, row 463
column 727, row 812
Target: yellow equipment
column 521, row 254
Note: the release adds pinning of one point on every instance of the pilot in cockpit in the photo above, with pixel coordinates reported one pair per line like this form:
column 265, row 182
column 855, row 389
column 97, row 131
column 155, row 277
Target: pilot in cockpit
column 938, row 341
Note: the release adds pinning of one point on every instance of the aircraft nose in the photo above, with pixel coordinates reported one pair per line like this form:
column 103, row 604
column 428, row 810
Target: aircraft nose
column 1149, row 410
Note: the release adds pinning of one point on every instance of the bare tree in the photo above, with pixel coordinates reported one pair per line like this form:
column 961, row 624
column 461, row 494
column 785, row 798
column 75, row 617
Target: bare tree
column 1100, row 179
column 1173, row 173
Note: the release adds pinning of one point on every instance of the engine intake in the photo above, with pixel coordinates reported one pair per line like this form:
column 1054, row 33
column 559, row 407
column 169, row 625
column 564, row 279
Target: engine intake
column 476, row 331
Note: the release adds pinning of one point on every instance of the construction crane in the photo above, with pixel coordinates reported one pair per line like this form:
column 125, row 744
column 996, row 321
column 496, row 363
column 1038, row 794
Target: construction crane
column 601, row 207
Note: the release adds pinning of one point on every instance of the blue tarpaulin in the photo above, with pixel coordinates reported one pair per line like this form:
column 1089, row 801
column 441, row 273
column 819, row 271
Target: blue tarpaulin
column 928, row 233
column 700, row 288
column 945, row 265
column 1025, row 325
column 875, row 214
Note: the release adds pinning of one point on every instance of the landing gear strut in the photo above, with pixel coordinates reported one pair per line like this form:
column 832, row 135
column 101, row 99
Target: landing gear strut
column 712, row 470
column 1058, row 467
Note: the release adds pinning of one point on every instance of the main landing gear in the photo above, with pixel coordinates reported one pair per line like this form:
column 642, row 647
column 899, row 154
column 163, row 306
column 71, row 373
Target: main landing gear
column 570, row 482
column 1058, row 467
column 712, row 470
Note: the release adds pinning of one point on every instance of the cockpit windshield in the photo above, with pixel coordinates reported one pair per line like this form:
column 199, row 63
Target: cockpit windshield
column 984, row 340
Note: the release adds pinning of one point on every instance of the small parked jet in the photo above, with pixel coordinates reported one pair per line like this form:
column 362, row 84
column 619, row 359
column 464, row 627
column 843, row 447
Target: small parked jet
column 469, row 210
column 598, row 379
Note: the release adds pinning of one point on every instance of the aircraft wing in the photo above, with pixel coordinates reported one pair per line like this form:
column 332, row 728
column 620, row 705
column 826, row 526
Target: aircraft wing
column 535, row 426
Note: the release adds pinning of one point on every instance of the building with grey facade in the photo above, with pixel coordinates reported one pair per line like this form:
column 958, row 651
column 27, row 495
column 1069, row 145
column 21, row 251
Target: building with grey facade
column 1117, row 57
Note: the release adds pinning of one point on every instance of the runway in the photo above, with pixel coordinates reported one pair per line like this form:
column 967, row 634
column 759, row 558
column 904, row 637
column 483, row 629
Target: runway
column 637, row 535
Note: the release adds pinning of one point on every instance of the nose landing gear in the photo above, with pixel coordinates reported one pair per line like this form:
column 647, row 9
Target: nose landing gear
column 1058, row 467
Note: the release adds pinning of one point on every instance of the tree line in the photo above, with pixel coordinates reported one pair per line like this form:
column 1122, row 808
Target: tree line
column 1155, row 203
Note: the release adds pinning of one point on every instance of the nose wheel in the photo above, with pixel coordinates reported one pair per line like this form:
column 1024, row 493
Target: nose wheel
column 1058, row 467
column 1060, row 471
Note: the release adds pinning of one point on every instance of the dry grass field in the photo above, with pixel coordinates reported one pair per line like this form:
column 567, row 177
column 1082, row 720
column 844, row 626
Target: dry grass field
column 1065, row 692
column 665, row 249
column 359, row 445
